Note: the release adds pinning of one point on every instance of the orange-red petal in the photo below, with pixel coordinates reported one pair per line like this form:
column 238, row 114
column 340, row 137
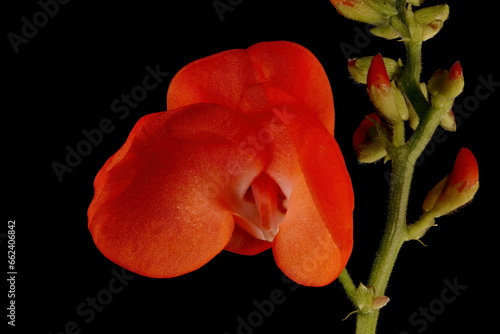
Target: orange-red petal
column 465, row 171
column 160, row 207
column 304, row 248
column 225, row 77
column 317, row 230
column 377, row 73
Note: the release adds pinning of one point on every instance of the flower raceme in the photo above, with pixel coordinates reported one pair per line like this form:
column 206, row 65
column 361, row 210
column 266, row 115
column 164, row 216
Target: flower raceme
column 244, row 160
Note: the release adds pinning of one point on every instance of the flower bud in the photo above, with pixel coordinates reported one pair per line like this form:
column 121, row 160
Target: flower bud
column 386, row 31
column 432, row 19
column 430, row 30
column 454, row 85
column 385, row 96
column 428, row 15
column 368, row 140
column 448, row 121
column 374, row 12
column 448, row 84
column 367, row 301
column 436, row 82
column 456, row 189
column 358, row 68
column 400, row 102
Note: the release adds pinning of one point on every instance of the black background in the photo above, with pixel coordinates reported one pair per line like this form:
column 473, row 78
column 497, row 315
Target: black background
column 66, row 77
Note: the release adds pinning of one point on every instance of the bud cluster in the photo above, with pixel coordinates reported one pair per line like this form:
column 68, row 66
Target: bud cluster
column 383, row 15
column 380, row 75
column 380, row 132
column 373, row 136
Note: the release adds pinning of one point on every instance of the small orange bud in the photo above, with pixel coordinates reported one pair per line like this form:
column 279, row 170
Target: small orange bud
column 456, row 72
column 385, row 96
column 465, row 174
column 454, row 85
column 447, row 84
column 456, row 189
column 358, row 68
column 367, row 142
column 377, row 73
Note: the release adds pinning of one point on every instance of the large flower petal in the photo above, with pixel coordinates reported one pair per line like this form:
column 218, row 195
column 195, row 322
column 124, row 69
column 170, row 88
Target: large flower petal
column 315, row 240
column 225, row 77
column 304, row 249
column 161, row 204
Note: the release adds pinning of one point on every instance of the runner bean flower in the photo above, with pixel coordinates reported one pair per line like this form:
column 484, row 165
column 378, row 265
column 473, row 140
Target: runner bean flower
column 243, row 160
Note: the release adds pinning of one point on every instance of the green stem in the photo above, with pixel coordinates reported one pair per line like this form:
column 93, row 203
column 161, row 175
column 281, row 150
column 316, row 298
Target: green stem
column 419, row 228
column 399, row 133
column 395, row 233
column 403, row 156
column 394, row 237
column 410, row 81
column 348, row 286
column 397, row 230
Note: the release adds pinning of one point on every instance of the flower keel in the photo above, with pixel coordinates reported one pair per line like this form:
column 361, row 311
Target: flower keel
column 263, row 209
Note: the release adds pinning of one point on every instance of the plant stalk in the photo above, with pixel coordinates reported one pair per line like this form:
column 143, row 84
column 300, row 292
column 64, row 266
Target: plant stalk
column 394, row 236
column 403, row 158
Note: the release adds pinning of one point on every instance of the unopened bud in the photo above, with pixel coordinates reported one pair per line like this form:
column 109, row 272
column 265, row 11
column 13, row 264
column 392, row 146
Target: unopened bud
column 436, row 82
column 358, row 68
column 366, row 301
column 385, row 31
column 385, row 96
column 428, row 15
column 430, row 30
column 368, row 139
column 374, row 12
column 454, row 85
column 432, row 19
column 413, row 119
column 379, row 302
column 445, row 86
column 400, row 102
column 448, row 121
column 456, row 189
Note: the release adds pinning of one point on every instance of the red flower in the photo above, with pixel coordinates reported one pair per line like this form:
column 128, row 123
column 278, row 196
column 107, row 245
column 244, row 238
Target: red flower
column 244, row 160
